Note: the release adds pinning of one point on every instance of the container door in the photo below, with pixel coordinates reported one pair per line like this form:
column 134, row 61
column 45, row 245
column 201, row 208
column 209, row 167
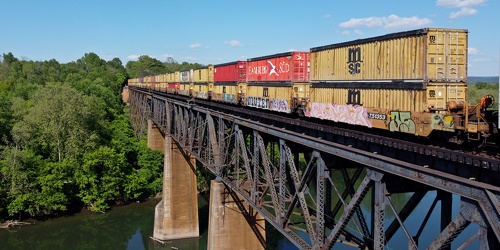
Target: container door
column 447, row 55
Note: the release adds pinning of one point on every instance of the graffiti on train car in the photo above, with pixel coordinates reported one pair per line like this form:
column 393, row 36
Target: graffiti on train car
column 202, row 95
column 401, row 122
column 229, row 98
column 258, row 102
column 442, row 122
column 280, row 105
column 350, row 114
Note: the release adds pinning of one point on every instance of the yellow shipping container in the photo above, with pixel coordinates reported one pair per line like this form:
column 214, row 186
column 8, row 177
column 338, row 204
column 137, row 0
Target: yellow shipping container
column 173, row 77
column 225, row 93
column 386, row 99
column 204, row 75
column 203, row 81
column 271, row 92
column 428, row 55
column 277, row 98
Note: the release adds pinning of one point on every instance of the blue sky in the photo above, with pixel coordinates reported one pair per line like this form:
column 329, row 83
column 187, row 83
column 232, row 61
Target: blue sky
column 216, row 31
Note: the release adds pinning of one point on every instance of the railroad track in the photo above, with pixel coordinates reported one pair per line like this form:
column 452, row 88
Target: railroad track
column 488, row 159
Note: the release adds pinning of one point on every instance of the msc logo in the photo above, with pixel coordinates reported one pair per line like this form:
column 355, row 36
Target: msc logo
column 432, row 39
column 354, row 60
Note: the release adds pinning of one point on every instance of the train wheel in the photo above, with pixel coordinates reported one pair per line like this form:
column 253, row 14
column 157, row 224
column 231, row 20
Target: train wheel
column 458, row 139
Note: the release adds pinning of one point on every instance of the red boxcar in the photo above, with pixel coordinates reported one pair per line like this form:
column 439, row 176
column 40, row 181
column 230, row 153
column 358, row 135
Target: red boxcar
column 173, row 87
column 231, row 72
column 283, row 67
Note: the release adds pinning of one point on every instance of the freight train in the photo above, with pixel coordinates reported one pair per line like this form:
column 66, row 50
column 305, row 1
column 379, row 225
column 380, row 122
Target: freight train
column 412, row 82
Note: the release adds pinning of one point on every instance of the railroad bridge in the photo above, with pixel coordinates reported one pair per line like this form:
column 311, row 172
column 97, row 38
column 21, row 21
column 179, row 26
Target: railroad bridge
column 319, row 186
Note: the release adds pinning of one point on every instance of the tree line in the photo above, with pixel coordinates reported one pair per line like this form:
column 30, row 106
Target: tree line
column 66, row 142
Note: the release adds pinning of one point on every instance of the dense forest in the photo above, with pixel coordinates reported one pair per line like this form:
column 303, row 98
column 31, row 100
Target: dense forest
column 65, row 138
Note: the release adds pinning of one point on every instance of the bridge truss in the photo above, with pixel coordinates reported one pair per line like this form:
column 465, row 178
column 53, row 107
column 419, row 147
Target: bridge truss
column 318, row 193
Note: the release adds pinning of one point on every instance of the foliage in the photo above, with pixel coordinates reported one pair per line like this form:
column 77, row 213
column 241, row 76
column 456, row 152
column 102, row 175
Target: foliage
column 172, row 66
column 19, row 169
column 61, row 123
column 65, row 139
column 100, row 178
column 478, row 90
column 5, row 117
column 145, row 66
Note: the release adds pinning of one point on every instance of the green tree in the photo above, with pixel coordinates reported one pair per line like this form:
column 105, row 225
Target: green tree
column 91, row 62
column 5, row 117
column 54, row 180
column 52, row 71
column 145, row 66
column 61, row 123
column 100, row 178
column 19, row 169
column 65, row 139
column 146, row 177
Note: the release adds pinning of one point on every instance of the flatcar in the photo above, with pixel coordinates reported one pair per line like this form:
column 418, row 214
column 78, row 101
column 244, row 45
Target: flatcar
column 412, row 82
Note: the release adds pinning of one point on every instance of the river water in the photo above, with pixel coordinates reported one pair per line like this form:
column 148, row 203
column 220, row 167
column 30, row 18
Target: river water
column 129, row 228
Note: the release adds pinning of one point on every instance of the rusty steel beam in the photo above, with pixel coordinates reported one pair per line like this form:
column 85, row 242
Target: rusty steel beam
column 281, row 174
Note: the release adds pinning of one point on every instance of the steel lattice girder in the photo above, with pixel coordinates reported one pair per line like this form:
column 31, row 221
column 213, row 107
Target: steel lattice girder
column 238, row 152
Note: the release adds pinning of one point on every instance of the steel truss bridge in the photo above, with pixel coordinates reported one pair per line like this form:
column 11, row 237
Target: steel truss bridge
column 320, row 193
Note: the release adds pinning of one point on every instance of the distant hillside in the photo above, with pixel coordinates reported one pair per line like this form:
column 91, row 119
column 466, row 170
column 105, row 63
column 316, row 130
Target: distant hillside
column 487, row 79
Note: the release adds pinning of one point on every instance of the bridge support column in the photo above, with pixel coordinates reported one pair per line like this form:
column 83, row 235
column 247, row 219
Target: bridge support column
column 176, row 216
column 155, row 138
column 233, row 224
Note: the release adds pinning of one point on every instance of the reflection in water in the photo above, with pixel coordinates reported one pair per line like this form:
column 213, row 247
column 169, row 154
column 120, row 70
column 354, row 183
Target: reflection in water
column 136, row 241
column 112, row 230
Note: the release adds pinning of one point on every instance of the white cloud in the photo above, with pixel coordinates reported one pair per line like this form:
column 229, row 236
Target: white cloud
column 234, row 43
column 352, row 32
column 368, row 22
column 473, row 51
column 464, row 5
column 327, row 16
column 464, row 11
column 133, row 57
column 459, row 3
column 194, row 46
column 390, row 22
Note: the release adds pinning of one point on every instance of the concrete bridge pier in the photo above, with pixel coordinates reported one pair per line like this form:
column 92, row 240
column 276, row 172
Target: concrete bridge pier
column 155, row 138
column 232, row 224
column 176, row 216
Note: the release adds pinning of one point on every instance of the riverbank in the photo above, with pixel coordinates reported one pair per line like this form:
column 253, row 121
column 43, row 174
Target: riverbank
column 13, row 223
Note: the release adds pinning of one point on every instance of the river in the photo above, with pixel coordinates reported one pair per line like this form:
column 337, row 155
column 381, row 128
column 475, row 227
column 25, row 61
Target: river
column 129, row 228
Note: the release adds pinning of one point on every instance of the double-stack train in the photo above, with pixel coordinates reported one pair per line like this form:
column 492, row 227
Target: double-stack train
column 412, row 82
